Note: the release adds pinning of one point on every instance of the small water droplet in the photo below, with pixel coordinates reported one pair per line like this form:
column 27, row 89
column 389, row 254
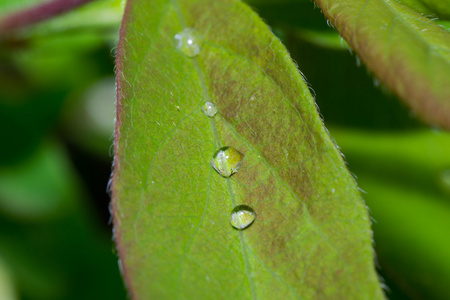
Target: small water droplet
column 242, row 216
column 227, row 161
column 333, row 190
column 188, row 42
column 210, row 109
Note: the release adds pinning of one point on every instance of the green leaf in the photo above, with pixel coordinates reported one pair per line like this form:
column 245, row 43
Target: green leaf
column 311, row 238
column 408, row 52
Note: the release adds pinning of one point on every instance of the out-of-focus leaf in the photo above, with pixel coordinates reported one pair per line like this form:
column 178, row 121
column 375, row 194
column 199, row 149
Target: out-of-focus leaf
column 415, row 157
column 34, row 91
column 406, row 50
column 404, row 176
column 444, row 24
column 300, row 19
column 440, row 7
column 40, row 12
column 311, row 238
column 23, row 122
column 102, row 16
column 89, row 117
column 38, row 187
column 410, row 236
column 9, row 6
column 65, row 243
column 7, row 289
column 326, row 39
column 32, row 277
column 361, row 103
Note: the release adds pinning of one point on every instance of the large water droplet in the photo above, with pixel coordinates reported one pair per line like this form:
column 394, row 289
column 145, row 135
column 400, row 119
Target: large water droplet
column 227, row 161
column 188, row 42
column 210, row 109
column 242, row 217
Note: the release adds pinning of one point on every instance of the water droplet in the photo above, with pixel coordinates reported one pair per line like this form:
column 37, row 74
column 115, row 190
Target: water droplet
column 188, row 42
column 242, row 216
column 210, row 109
column 227, row 161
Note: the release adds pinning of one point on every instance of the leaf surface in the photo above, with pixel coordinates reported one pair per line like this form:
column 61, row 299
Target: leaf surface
column 405, row 49
column 311, row 238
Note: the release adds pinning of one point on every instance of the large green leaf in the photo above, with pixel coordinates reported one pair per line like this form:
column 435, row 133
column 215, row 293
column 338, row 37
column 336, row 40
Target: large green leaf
column 408, row 51
column 311, row 238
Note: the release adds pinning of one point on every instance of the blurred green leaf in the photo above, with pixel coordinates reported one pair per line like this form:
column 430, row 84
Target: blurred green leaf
column 311, row 238
column 64, row 234
column 441, row 7
column 408, row 195
column 101, row 16
column 38, row 187
column 89, row 117
column 7, row 289
column 407, row 51
column 300, row 19
column 325, row 39
column 23, row 122
column 410, row 236
column 9, row 6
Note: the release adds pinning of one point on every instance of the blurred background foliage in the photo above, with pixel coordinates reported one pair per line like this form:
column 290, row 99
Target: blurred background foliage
column 56, row 130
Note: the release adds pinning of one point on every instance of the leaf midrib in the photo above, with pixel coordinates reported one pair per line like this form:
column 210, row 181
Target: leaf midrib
column 206, row 94
column 207, row 97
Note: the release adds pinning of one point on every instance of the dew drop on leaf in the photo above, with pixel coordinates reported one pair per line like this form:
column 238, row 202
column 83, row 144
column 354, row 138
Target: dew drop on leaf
column 188, row 42
column 242, row 217
column 210, row 109
column 227, row 161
